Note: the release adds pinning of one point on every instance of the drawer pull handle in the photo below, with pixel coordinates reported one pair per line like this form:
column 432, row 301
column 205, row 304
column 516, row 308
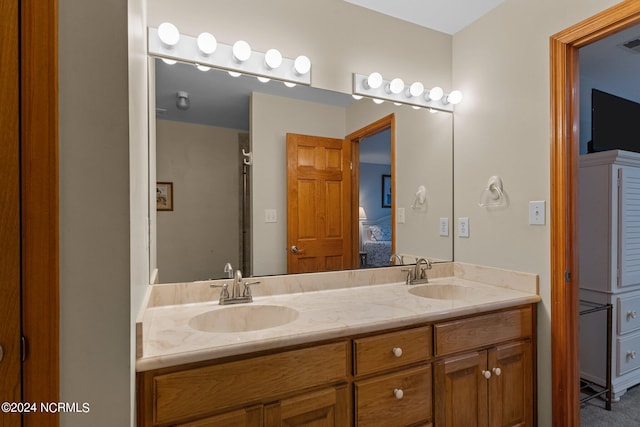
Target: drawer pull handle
column 398, row 393
column 486, row 374
column 397, row 351
column 632, row 314
column 631, row 354
column 497, row 371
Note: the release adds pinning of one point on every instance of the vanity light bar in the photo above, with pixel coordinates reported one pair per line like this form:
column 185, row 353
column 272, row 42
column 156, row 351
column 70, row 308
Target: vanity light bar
column 380, row 89
column 185, row 49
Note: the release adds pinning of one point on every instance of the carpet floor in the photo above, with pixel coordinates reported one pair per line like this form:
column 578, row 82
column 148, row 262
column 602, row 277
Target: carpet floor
column 624, row 413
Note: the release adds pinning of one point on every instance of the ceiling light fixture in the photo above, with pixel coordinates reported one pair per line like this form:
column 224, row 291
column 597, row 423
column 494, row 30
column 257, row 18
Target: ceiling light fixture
column 374, row 86
column 168, row 44
column 182, row 102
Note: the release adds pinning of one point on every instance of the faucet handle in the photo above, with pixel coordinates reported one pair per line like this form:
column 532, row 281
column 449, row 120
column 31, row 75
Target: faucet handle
column 247, row 289
column 224, row 293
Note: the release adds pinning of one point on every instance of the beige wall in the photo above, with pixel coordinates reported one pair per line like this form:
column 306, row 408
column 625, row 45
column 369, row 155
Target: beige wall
column 95, row 275
column 501, row 63
column 202, row 233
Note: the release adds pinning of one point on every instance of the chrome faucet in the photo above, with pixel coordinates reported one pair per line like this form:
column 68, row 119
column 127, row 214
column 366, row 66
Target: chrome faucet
column 236, row 297
column 396, row 257
column 420, row 274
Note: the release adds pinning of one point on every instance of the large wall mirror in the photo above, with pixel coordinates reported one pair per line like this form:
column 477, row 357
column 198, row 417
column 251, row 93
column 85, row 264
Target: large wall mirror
column 219, row 157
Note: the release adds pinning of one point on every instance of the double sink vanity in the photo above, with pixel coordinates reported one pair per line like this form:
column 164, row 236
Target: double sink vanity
column 344, row 348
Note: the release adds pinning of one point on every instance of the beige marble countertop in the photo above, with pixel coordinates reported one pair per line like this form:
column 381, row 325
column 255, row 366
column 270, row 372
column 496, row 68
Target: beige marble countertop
column 169, row 340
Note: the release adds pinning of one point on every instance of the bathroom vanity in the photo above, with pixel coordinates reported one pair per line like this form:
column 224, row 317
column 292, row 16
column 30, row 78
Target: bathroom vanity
column 456, row 352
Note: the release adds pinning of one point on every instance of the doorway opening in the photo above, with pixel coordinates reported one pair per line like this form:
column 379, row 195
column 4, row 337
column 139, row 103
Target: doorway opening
column 564, row 161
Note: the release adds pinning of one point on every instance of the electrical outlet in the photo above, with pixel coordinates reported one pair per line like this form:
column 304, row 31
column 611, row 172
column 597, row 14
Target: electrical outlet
column 270, row 215
column 444, row 227
column 463, row 227
column 537, row 213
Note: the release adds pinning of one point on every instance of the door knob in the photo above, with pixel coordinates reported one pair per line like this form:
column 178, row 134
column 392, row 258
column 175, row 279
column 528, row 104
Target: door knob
column 295, row 250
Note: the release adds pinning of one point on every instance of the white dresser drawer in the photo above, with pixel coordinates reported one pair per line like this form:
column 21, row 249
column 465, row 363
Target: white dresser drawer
column 628, row 353
column 628, row 314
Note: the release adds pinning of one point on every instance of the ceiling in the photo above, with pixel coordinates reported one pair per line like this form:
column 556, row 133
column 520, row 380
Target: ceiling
column 447, row 16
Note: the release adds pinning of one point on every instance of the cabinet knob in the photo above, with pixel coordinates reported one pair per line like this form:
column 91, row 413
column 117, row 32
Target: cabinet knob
column 486, row 374
column 631, row 354
column 497, row 371
column 398, row 393
column 397, row 351
column 632, row 314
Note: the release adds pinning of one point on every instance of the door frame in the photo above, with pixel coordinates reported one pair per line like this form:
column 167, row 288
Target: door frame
column 39, row 204
column 565, row 375
column 386, row 122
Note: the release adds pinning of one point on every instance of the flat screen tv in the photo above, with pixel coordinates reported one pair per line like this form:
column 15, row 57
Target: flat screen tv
column 615, row 123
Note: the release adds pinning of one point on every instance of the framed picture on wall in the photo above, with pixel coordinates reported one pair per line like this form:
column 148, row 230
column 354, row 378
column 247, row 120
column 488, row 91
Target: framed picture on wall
column 164, row 196
column 386, row 191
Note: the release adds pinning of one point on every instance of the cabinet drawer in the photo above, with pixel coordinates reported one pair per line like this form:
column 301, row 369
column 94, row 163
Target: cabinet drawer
column 378, row 405
column 628, row 354
column 482, row 331
column 199, row 391
column 391, row 350
column 628, row 314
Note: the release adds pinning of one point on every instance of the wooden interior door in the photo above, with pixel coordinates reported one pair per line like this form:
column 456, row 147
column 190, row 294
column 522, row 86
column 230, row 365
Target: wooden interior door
column 10, row 342
column 318, row 204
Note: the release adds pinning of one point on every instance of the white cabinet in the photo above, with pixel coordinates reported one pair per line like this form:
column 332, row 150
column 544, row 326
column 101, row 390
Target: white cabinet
column 609, row 254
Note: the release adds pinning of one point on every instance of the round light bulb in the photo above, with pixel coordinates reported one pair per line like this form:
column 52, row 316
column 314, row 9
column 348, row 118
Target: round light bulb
column 168, row 34
column 374, row 81
column 395, row 86
column 207, row 44
column 273, row 59
column 416, row 89
column 455, row 97
column 289, row 84
column 263, row 79
column 234, row 73
column 241, row 51
column 357, row 97
column 302, row 65
column 378, row 101
column 202, row 68
column 436, row 93
column 169, row 61
column 415, row 107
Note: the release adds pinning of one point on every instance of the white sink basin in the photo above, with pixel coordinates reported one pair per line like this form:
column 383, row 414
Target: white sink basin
column 244, row 318
column 444, row 291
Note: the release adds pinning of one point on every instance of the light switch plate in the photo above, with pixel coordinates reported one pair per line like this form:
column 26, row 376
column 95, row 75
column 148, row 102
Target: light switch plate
column 444, row 227
column 270, row 215
column 537, row 213
column 400, row 216
column 463, row 227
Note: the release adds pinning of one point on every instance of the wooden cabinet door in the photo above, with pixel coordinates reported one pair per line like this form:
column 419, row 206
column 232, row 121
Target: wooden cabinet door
column 511, row 385
column 324, row 408
column 249, row 417
column 460, row 390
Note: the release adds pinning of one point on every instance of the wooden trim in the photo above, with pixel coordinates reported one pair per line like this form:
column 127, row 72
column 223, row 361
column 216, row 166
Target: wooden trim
column 564, row 164
column 379, row 125
column 40, row 257
column 10, row 362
